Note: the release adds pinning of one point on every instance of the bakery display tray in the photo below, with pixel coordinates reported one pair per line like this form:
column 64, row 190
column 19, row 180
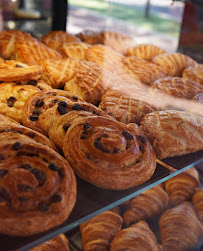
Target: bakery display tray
column 92, row 201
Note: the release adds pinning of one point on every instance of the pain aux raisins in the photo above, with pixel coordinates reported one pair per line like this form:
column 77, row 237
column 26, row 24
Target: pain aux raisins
column 116, row 150
column 75, row 98
column 32, row 82
column 17, row 145
column 86, row 126
column 98, row 144
column 141, row 138
column 39, row 175
column 39, row 103
column 31, row 135
column 76, row 107
column 96, row 113
column 35, row 112
column 43, row 207
column 4, row 195
column 56, row 198
column 61, row 110
column 66, row 126
column 34, row 118
column 127, row 135
column 11, row 101
column 63, row 103
column 25, row 166
column 24, row 188
column 53, row 167
column 3, row 172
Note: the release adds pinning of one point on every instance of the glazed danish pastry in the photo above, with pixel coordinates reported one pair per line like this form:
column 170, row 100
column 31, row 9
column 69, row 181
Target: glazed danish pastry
column 179, row 227
column 181, row 187
column 174, row 63
column 37, row 186
column 136, row 237
column 146, row 205
column 98, row 232
column 144, row 51
column 194, row 73
column 173, row 133
column 197, row 201
column 55, row 39
column 75, row 50
column 108, row 153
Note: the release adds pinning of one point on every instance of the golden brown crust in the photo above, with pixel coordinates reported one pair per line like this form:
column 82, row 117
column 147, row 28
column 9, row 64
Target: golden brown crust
column 98, row 232
column 7, row 119
column 174, row 63
column 178, row 87
column 75, row 50
column 182, row 187
column 173, row 133
column 136, row 237
column 59, row 243
column 56, row 39
column 13, row 98
column 109, row 154
column 37, row 184
column 90, row 37
column 144, row 51
column 146, row 205
column 195, row 73
column 39, row 103
column 179, row 227
column 197, row 201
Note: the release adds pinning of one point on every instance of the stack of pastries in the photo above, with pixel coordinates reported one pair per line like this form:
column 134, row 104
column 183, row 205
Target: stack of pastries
column 84, row 104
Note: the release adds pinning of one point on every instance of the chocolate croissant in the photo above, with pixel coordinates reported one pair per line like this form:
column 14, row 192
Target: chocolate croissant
column 146, row 205
column 181, row 187
column 173, row 133
column 136, row 237
column 108, row 153
column 98, row 232
column 197, row 201
column 37, row 186
column 173, row 63
column 180, row 228
column 144, row 51
column 195, row 73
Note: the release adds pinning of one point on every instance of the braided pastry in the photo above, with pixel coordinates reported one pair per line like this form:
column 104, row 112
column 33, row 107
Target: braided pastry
column 179, row 227
column 39, row 103
column 13, row 97
column 98, row 232
column 59, row 243
column 74, row 50
column 37, row 186
column 182, row 187
column 146, row 205
column 136, row 237
column 173, row 133
column 197, row 201
column 174, row 64
column 109, row 154
column 55, row 39
column 195, row 73
column 144, row 51
column 178, row 87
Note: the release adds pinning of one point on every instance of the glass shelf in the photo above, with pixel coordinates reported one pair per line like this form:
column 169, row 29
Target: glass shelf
column 92, row 201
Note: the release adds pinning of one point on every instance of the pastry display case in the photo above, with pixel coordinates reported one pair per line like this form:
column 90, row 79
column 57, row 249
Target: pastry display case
column 121, row 112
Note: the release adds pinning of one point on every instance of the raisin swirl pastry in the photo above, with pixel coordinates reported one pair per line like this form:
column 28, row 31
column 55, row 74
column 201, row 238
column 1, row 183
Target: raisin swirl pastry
column 181, row 187
column 144, row 51
column 108, row 153
column 174, row 63
column 98, row 232
column 197, row 201
column 74, row 50
column 195, row 73
column 37, row 186
column 39, row 103
column 173, row 133
column 146, row 205
column 180, row 228
column 136, row 237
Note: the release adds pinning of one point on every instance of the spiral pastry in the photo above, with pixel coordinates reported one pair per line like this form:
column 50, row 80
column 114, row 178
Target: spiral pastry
column 180, row 228
column 136, row 237
column 194, row 73
column 108, row 153
column 197, row 201
column 37, row 104
column 144, row 51
column 182, row 187
column 146, row 205
column 37, row 186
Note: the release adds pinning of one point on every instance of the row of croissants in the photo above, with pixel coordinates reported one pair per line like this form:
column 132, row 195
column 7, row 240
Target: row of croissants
column 177, row 205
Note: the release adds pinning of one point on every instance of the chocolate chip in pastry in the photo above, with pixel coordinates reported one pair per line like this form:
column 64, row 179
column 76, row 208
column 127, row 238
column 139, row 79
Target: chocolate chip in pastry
column 37, row 187
column 195, row 73
column 75, row 50
column 173, row 133
column 111, row 155
column 197, row 201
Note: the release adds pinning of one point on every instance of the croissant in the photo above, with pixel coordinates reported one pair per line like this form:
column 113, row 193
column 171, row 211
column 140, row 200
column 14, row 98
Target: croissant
column 182, row 187
column 198, row 98
column 174, row 63
column 37, row 186
column 98, row 232
column 136, row 237
column 144, row 51
column 55, row 39
column 74, row 50
column 59, row 243
column 128, row 107
column 90, row 37
column 194, row 73
column 146, row 205
column 173, row 133
column 108, row 153
column 178, row 87
column 179, row 227
column 197, row 201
